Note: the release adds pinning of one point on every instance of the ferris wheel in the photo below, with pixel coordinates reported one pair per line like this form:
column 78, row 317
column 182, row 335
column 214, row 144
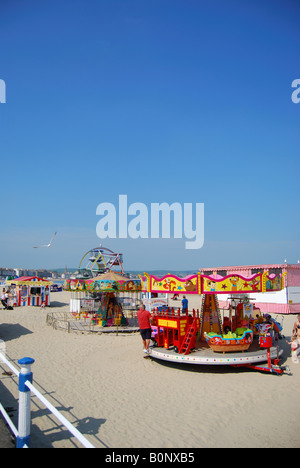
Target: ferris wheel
column 100, row 260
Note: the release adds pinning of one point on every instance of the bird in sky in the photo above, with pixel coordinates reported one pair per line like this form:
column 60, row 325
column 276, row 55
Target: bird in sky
column 47, row 245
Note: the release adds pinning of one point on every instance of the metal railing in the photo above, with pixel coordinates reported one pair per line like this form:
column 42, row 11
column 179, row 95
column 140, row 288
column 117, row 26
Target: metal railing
column 22, row 433
column 70, row 322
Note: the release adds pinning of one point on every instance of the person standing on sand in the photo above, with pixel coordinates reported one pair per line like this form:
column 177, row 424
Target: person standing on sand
column 144, row 318
column 294, row 346
column 296, row 329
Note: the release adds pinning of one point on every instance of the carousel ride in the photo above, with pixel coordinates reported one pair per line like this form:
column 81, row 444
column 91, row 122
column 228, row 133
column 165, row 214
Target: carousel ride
column 243, row 338
column 97, row 289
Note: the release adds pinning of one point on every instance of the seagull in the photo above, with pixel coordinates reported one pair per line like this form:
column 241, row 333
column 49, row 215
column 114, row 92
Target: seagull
column 48, row 245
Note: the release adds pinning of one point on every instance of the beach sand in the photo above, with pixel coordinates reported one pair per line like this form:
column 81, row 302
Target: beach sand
column 117, row 398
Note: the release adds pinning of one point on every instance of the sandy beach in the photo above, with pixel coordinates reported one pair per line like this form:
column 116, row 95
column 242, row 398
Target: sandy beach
column 116, row 398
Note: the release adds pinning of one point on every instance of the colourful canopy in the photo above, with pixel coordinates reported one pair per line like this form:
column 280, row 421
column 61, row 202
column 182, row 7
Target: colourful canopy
column 203, row 284
column 110, row 276
column 108, row 282
column 29, row 281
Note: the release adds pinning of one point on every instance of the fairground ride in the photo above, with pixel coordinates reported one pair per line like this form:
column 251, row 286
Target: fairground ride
column 100, row 260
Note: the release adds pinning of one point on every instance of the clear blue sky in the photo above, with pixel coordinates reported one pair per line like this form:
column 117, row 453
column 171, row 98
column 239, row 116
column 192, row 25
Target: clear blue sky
column 162, row 100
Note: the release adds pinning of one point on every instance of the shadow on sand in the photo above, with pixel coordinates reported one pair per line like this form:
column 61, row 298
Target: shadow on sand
column 55, row 304
column 12, row 331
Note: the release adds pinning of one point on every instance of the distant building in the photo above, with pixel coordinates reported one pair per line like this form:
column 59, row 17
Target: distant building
column 5, row 272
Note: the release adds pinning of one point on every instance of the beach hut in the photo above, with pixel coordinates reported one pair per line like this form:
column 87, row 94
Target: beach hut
column 31, row 291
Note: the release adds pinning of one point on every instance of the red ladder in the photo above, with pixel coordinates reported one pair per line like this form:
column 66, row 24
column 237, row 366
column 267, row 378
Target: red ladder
column 188, row 339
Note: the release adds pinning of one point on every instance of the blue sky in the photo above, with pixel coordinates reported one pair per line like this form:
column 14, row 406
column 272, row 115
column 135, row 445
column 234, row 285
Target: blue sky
column 162, row 100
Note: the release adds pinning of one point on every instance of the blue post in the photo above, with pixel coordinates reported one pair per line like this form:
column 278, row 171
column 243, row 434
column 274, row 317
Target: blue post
column 24, row 402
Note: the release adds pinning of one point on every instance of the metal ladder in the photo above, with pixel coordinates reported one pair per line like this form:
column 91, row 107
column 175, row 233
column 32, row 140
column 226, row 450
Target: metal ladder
column 187, row 342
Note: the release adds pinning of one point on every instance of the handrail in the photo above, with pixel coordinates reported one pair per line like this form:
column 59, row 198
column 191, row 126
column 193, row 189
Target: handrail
column 59, row 416
column 7, row 362
column 25, row 386
column 9, row 421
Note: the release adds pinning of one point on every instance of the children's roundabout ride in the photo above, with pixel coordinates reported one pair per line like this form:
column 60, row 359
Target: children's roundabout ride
column 244, row 338
column 96, row 289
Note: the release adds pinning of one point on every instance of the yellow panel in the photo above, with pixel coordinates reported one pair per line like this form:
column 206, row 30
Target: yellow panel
column 167, row 323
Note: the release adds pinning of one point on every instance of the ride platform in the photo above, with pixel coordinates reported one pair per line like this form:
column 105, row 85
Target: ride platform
column 206, row 356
